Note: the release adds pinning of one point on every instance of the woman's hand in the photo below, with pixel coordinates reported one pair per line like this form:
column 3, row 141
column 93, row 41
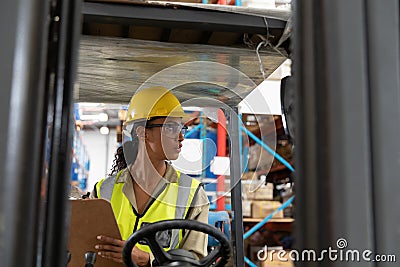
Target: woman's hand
column 111, row 249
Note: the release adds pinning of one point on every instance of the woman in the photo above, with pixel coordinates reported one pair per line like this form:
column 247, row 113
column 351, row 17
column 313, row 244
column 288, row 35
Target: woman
column 147, row 188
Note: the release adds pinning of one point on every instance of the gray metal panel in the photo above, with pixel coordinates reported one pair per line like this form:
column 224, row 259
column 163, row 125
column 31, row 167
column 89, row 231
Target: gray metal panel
column 8, row 21
column 22, row 86
column 236, row 185
column 384, row 81
column 177, row 17
column 347, row 152
column 334, row 161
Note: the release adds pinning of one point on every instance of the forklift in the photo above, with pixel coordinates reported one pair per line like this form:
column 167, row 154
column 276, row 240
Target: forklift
column 346, row 58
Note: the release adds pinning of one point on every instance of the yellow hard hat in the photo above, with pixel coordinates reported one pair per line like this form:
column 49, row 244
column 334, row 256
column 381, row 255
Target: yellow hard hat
column 154, row 102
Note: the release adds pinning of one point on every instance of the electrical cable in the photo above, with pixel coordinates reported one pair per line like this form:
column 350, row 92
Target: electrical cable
column 259, row 58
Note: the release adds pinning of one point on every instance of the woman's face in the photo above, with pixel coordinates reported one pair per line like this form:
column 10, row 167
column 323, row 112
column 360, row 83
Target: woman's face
column 164, row 138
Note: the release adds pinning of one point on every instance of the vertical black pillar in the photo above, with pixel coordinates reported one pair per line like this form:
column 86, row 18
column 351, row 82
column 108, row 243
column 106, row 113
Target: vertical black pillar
column 236, row 185
column 61, row 74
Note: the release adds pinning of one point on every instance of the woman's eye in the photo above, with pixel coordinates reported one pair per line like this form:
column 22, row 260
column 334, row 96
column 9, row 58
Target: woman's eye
column 170, row 129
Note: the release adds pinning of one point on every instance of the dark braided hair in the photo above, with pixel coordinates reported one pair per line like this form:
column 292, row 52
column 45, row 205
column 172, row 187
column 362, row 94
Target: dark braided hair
column 119, row 162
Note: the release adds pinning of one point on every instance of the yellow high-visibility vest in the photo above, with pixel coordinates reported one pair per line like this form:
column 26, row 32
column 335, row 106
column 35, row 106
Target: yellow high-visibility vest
column 172, row 202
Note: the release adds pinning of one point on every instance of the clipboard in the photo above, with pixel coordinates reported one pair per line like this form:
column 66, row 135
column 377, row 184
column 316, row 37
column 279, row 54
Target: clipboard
column 90, row 218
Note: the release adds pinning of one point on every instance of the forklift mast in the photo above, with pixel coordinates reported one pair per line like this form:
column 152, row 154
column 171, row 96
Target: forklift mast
column 38, row 68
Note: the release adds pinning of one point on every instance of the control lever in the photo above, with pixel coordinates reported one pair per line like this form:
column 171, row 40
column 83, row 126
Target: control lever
column 90, row 258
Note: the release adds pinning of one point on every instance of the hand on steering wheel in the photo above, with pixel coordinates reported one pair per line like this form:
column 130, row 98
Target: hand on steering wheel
column 165, row 258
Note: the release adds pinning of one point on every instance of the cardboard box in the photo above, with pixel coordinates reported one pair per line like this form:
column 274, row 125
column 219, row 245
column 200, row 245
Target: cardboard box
column 246, row 208
column 247, row 193
column 256, row 191
column 249, row 176
column 104, row 29
column 264, row 192
column 261, row 209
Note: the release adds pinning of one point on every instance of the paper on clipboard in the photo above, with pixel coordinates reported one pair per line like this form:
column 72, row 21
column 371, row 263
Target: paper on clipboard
column 90, row 218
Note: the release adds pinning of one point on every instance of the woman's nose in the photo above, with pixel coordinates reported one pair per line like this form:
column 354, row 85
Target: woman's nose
column 181, row 137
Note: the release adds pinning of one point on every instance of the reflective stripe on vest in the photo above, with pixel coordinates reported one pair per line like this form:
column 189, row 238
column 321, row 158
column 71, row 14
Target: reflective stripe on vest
column 182, row 203
column 104, row 187
column 173, row 202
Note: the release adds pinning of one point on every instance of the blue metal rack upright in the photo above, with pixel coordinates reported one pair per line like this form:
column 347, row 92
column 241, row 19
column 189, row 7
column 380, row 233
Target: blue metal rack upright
column 80, row 159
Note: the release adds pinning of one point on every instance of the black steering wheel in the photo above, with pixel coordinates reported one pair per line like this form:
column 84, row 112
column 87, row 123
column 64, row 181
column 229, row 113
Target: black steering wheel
column 175, row 257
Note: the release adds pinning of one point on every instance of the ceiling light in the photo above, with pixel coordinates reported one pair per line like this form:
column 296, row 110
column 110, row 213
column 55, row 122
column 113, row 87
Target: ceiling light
column 104, row 130
column 103, row 116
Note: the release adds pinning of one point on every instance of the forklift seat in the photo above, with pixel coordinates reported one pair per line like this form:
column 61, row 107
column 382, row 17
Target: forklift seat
column 219, row 219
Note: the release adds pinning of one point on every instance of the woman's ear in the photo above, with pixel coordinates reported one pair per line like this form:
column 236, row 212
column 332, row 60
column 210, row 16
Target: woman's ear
column 141, row 132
